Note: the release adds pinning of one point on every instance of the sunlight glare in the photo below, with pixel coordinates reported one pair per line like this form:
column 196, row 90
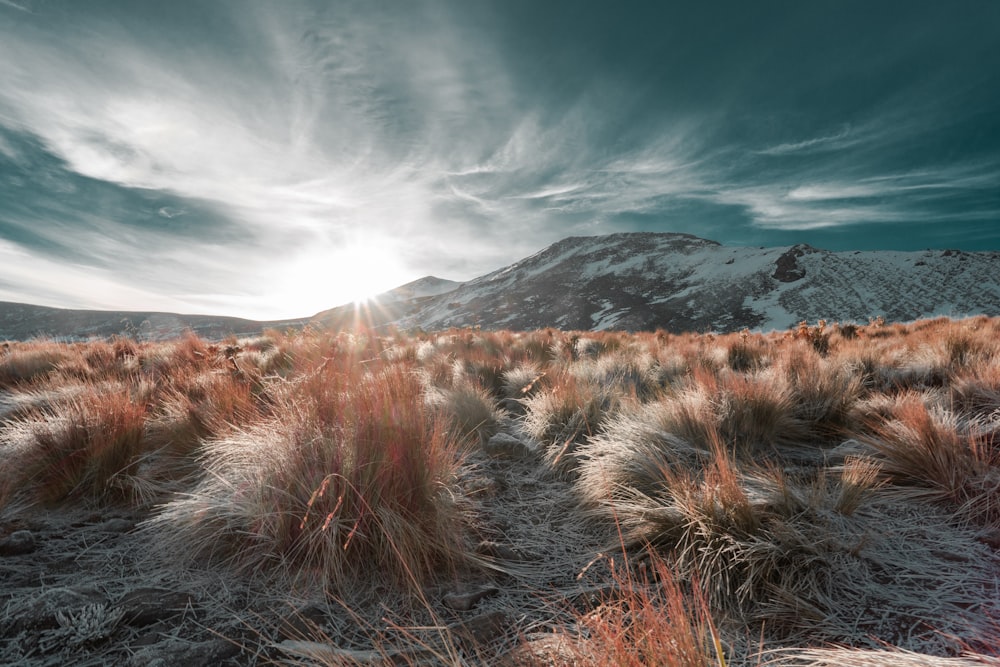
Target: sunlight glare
column 355, row 273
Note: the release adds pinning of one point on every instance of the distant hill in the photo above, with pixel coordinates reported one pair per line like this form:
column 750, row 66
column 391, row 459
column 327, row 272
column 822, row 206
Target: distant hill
column 679, row 282
column 20, row 321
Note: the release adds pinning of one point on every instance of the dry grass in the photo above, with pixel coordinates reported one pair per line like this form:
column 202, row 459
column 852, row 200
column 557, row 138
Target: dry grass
column 768, row 496
column 650, row 619
column 86, row 448
column 340, row 485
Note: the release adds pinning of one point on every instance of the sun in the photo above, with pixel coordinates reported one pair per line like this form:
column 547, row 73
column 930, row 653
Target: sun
column 326, row 278
column 366, row 271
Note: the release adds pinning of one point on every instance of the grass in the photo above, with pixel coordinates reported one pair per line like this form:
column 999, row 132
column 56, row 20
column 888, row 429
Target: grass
column 651, row 619
column 347, row 484
column 827, row 495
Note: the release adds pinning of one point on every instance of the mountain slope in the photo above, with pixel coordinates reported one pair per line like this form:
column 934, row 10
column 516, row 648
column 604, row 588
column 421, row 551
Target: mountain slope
column 679, row 282
column 635, row 281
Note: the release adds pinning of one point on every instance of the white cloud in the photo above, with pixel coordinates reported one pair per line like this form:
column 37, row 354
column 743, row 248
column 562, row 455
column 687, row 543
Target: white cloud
column 842, row 139
column 14, row 5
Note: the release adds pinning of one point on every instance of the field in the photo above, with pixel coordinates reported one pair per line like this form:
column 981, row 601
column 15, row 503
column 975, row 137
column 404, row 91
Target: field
column 823, row 496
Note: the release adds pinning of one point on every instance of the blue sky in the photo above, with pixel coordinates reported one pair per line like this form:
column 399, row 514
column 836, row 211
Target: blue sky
column 272, row 159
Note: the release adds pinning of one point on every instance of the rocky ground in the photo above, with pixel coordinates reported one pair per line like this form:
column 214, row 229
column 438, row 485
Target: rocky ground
column 85, row 587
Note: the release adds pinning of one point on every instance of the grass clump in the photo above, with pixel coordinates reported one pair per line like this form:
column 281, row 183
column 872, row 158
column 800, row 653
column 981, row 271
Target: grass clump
column 652, row 618
column 831, row 487
column 86, row 448
column 26, row 362
column 563, row 415
column 928, row 448
column 340, row 486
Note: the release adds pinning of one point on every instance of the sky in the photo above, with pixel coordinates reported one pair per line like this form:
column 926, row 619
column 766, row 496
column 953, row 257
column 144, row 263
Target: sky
column 271, row 159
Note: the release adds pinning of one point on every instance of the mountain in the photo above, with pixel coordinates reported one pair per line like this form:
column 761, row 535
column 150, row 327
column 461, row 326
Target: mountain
column 632, row 281
column 20, row 321
column 679, row 282
column 426, row 286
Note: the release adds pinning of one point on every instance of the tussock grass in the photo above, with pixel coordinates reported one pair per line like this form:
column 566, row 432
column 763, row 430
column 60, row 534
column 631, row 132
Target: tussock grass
column 930, row 449
column 652, row 619
column 85, row 448
column 25, row 362
column 341, row 486
column 471, row 412
column 564, row 415
column 833, row 485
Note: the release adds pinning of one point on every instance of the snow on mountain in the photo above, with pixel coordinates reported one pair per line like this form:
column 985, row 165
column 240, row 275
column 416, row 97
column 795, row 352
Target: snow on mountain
column 678, row 282
column 426, row 286
column 633, row 281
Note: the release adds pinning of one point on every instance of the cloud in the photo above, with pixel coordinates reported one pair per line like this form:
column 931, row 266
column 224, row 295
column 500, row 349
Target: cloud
column 839, row 141
column 195, row 150
column 14, row 5
column 169, row 212
column 351, row 131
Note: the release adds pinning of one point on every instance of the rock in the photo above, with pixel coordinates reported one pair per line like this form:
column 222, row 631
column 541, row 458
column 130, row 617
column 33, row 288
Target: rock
column 180, row 653
column 481, row 629
column 145, row 606
column 116, row 525
column 543, row 649
column 787, row 269
column 466, row 601
column 18, row 543
column 506, row 446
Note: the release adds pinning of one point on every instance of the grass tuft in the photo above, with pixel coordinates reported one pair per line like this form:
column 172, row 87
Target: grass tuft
column 342, row 485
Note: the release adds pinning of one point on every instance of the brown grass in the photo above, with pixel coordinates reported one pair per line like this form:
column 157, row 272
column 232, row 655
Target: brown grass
column 338, row 481
column 831, row 485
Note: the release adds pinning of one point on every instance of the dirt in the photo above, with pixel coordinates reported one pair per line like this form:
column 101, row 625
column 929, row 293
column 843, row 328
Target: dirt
column 85, row 587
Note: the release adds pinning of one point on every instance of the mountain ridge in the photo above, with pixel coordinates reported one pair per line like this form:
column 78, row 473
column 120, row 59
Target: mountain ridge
column 679, row 282
column 629, row 281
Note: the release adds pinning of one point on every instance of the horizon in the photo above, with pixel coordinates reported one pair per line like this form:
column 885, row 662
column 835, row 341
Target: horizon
column 373, row 300
column 270, row 162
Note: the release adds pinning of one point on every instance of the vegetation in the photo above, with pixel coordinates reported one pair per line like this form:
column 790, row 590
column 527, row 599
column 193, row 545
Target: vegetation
column 826, row 495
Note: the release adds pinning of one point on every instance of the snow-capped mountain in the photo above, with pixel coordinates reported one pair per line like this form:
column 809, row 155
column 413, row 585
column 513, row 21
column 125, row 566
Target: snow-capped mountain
column 426, row 286
column 634, row 281
column 678, row 282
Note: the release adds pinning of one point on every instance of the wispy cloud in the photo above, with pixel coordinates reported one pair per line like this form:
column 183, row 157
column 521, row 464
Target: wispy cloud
column 14, row 5
column 838, row 141
column 195, row 150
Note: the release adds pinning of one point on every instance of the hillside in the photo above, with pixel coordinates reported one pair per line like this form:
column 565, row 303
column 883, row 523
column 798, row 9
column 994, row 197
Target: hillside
column 678, row 282
column 628, row 282
column 19, row 321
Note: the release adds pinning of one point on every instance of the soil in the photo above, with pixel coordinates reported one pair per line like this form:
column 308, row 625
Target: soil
column 85, row 587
